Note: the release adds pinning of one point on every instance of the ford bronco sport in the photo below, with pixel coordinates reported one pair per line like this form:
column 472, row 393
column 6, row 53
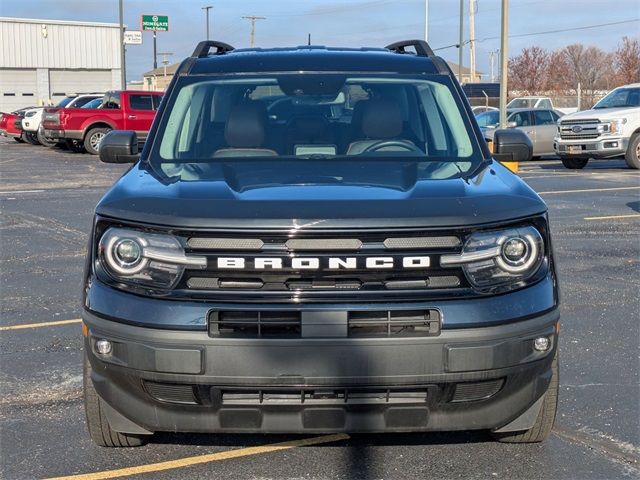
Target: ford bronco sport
column 318, row 240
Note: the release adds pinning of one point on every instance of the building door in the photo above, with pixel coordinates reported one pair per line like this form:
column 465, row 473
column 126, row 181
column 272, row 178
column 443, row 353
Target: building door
column 18, row 89
column 75, row 82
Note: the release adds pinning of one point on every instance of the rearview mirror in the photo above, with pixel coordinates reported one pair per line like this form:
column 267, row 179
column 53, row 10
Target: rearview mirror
column 512, row 145
column 119, row 146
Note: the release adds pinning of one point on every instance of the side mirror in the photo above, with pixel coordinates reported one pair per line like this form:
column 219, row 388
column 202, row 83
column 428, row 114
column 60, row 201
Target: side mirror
column 512, row 145
column 512, row 124
column 119, row 146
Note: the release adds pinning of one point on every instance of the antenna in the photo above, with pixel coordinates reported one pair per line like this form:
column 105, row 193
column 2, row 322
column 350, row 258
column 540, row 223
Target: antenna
column 253, row 19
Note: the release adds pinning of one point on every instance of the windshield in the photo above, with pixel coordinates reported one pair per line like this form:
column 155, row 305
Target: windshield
column 317, row 116
column 95, row 103
column 620, row 97
column 521, row 103
column 488, row 119
column 64, row 102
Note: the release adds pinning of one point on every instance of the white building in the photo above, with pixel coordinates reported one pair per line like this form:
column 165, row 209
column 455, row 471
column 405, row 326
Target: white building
column 41, row 61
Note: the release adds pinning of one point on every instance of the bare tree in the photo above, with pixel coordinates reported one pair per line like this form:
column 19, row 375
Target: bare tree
column 627, row 61
column 590, row 67
column 559, row 78
column 528, row 71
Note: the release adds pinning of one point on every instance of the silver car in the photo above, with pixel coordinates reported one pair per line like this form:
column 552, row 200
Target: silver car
column 540, row 124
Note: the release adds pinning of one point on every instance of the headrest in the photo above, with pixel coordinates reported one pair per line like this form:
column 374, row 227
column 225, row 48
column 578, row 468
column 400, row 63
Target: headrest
column 381, row 118
column 245, row 125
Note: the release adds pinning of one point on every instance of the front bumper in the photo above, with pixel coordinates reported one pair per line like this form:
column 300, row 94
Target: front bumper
column 462, row 379
column 597, row 148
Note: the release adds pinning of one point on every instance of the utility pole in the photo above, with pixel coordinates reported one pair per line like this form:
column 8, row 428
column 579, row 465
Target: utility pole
column 504, row 55
column 253, row 19
column 206, row 9
column 460, row 41
column 472, row 39
column 123, row 63
column 426, row 21
column 492, row 58
column 165, row 60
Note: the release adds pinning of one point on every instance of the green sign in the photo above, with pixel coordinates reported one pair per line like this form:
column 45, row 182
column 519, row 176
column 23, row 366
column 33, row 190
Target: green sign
column 158, row 23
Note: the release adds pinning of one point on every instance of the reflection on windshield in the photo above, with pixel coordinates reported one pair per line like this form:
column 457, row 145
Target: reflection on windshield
column 312, row 116
column 622, row 97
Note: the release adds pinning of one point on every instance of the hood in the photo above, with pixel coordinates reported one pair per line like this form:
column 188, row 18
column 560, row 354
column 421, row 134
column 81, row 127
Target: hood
column 601, row 113
column 315, row 194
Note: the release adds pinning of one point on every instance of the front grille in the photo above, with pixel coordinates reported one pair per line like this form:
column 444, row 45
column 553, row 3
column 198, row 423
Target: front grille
column 322, row 266
column 282, row 324
column 171, row 393
column 579, row 122
column 567, row 136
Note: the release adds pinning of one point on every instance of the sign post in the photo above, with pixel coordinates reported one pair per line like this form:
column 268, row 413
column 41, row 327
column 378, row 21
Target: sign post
column 154, row 23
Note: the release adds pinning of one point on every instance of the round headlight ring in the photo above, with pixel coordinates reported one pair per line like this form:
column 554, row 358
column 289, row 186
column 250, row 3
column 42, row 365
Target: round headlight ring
column 114, row 252
column 529, row 257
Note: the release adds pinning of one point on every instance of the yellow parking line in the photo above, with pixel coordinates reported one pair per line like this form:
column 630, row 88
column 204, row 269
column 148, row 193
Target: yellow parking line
column 43, row 324
column 589, row 190
column 211, row 457
column 614, row 217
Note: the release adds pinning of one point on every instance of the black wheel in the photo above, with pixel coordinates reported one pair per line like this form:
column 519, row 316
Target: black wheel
column 75, row 146
column 31, row 138
column 546, row 417
column 633, row 152
column 575, row 163
column 97, row 423
column 93, row 138
column 47, row 142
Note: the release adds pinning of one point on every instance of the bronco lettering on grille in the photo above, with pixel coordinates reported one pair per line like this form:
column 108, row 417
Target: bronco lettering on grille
column 318, row 263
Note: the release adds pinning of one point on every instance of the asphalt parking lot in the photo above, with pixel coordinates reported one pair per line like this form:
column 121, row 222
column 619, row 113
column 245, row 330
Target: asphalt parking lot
column 46, row 202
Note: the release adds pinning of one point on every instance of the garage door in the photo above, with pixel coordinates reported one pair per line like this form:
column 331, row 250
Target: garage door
column 17, row 89
column 71, row 82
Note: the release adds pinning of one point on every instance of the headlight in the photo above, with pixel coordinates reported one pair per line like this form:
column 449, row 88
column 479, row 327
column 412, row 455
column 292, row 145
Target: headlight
column 147, row 259
column 497, row 258
column 612, row 127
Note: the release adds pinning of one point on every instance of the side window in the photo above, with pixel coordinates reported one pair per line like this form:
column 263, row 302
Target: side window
column 141, row 102
column 543, row 117
column 521, row 119
column 156, row 101
column 555, row 116
column 546, row 103
column 111, row 101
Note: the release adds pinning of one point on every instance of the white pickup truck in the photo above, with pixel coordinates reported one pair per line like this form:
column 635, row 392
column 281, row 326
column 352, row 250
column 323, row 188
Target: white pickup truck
column 537, row 102
column 610, row 129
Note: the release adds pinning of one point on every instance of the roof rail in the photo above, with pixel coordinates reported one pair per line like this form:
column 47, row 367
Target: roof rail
column 422, row 48
column 202, row 49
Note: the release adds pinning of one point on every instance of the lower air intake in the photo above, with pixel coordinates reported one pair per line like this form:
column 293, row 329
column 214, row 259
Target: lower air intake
column 474, row 391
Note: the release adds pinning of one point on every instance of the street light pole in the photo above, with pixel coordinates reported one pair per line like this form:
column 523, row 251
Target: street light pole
column 504, row 55
column 123, row 64
column 426, row 21
column 206, row 9
column 253, row 18
column 461, row 39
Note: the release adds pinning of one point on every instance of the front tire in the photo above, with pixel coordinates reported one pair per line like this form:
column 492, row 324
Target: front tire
column 633, row 152
column 93, row 138
column 546, row 417
column 31, row 138
column 575, row 163
column 97, row 423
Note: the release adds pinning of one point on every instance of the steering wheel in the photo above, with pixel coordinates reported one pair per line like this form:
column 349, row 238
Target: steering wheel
column 374, row 147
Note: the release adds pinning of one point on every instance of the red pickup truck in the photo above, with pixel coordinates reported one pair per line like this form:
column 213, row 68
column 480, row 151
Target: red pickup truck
column 120, row 110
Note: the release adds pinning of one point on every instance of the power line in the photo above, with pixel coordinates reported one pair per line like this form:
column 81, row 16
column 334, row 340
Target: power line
column 530, row 34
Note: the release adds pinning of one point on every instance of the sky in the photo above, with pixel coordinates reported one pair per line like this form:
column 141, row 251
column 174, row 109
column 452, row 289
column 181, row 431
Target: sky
column 349, row 23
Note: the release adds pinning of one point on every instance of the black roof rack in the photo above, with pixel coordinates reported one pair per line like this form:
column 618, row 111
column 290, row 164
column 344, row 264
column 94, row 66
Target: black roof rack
column 422, row 48
column 202, row 49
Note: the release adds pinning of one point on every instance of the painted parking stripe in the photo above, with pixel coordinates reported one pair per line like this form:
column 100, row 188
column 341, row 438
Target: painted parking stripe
column 207, row 458
column 12, row 192
column 614, row 217
column 589, row 190
column 40, row 325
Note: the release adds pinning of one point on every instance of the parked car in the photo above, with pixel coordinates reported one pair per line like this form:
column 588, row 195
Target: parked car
column 346, row 257
column 119, row 110
column 610, row 129
column 482, row 108
column 538, row 123
column 537, row 102
column 32, row 120
column 8, row 126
